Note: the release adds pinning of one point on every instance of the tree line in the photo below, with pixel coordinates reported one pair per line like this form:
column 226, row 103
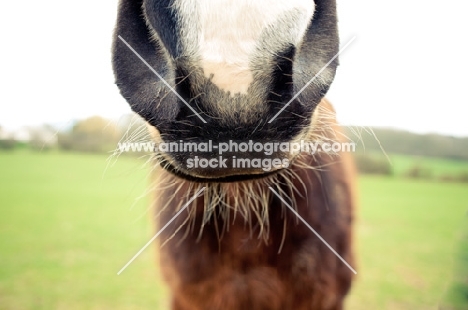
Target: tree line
column 394, row 141
column 100, row 135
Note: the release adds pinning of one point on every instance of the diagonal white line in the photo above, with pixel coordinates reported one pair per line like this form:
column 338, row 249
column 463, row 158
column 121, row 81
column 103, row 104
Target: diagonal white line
column 311, row 80
column 161, row 230
column 313, row 230
column 162, row 80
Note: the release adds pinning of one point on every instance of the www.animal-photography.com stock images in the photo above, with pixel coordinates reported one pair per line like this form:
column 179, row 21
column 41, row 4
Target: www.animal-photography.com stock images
column 233, row 155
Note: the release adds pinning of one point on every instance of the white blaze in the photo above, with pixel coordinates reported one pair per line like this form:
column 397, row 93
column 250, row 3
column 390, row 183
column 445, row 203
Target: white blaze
column 229, row 31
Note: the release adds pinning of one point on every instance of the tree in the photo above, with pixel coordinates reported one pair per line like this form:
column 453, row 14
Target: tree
column 94, row 134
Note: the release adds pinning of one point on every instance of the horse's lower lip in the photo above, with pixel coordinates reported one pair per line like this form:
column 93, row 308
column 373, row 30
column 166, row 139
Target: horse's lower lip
column 228, row 167
column 220, row 178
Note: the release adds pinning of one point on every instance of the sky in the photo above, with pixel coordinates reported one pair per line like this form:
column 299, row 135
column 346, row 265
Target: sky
column 407, row 67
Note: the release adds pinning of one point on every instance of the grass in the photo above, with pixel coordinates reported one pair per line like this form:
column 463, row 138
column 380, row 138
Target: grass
column 436, row 167
column 68, row 224
column 67, row 227
column 407, row 232
column 457, row 294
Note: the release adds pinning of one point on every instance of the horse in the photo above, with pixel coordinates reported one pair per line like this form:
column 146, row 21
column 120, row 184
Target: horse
column 229, row 91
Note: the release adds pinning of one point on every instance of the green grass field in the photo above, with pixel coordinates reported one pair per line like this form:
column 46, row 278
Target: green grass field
column 434, row 168
column 69, row 222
